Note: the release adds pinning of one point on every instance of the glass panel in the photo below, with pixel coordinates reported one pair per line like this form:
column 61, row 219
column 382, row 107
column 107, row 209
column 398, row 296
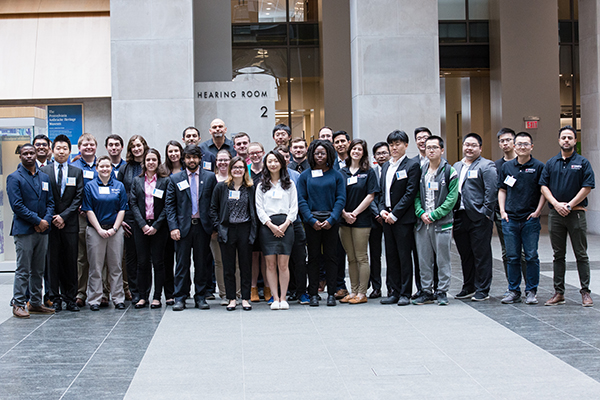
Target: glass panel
column 576, row 29
column 260, row 61
column 453, row 32
column 245, row 11
column 451, row 9
column 565, row 29
column 565, row 61
column 305, row 81
column 259, row 35
column 479, row 32
column 304, row 34
column 564, row 9
column 479, row 9
column 303, row 10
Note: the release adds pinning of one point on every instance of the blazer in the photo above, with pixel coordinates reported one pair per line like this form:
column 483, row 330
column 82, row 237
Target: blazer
column 179, row 202
column 402, row 191
column 137, row 202
column 374, row 206
column 67, row 205
column 219, row 211
column 479, row 194
column 29, row 204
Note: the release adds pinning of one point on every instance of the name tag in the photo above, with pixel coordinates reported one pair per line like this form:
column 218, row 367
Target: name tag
column 88, row 174
column 104, row 190
column 277, row 194
column 207, row 165
column 433, row 186
column 401, row 174
column 71, row 181
column 158, row 193
column 472, row 174
column 317, row 173
column 183, row 185
column 352, row 180
column 45, row 186
column 510, row 181
column 234, row 194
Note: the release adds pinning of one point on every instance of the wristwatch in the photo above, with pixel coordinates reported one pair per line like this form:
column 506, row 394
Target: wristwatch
column 569, row 207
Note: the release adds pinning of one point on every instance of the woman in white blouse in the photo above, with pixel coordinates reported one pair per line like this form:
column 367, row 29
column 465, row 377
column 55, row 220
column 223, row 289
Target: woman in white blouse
column 276, row 208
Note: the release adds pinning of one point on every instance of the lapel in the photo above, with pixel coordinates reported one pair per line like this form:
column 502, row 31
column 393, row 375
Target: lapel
column 399, row 168
column 53, row 183
column 25, row 174
column 474, row 165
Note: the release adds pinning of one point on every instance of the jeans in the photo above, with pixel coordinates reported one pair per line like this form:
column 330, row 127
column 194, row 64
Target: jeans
column 522, row 235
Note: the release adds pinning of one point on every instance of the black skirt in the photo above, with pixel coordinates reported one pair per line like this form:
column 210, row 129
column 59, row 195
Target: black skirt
column 271, row 244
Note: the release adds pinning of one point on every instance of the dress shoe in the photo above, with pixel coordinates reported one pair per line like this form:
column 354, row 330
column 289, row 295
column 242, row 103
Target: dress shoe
column 170, row 302
column 331, row 300
column 254, row 297
column 556, row 299
column 135, row 298
column 314, row 301
column 393, row 299
column 20, row 311
column 141, row 304
column 121, row 306
column 57, row 305
column 292, row 296
column 104, row 302
column 156, row 305
column 128, row 295
column 72, row 307
column 464, row 294
column 40, row 310
column 247, row 307
column 232, row 307
column 179, row 306
column 94, row 307
column 210, row 296
column 358, row 299
column 79, row 302
column 347, row 298
column 375, row 294
column 586, row 299
column 202, row 304
column 340, row 294
column 403, row 301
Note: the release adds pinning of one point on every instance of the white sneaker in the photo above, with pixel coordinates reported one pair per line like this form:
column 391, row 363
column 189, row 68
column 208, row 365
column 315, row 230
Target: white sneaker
column 284, row 305
column 275, row 305
column 224, row 301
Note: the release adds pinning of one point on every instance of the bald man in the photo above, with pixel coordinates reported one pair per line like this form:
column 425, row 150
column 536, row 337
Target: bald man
column 218, row 141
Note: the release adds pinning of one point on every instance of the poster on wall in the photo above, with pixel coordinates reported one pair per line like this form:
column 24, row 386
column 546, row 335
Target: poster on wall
column 65, row 120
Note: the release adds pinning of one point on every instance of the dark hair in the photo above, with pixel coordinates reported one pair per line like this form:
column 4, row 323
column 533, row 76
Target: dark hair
column 188, row 128
column 567, row 128
column 364, row 164
column 168, row 162
column 161, row 171
column 380, row 144
column 281, row 148
column 504, row 131
column 474, row 135
column 282, row 127
column 62, row 138
column 438, row 138
column 397, row 136
column 422, row 129
column 524, row 134
column 130, row 158
column 246, row 181
column 265, row 174
column 338, row 133
column 325, row 127
column 102, row 158
column 310, row 154
column 22, row 146
column 239, row 135
column 298, row 139
column 41, row 136
column 113, row 137
column 193, row 150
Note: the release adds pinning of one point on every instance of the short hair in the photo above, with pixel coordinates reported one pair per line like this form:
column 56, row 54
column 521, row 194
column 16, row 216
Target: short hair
column 62, row 138
column 188, row 128
column 284, row 176
column 168, row 162
column 299, row 139
column 130, row 157
column 192, row 150
column 327, row 145
column 397, row 136
column 239, row 135
column 339, row 133
column 256, row 144
column 524, row 134
column 474, row 135
column 567, row 128
column 325, row 127
column 88, row 137
column 281, row 148
column 380, row 144
column 282, row 127
column 41, row 136
column 438, row 138
column 102, row 158
column 364, row 160
column 22, row 146
column 114, row 136
column 246, row 181
column 422, row 129
column 504, row 131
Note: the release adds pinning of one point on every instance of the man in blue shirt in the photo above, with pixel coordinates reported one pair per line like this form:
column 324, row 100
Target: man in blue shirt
column 31, row 201
column 219, row 141
column 114, row 148
column 566, row 181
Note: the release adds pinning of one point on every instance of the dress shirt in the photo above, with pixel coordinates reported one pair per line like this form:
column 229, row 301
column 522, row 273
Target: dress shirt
column 276, row 201
column 149, row 186
column 389, row 177
column 463, row 175
column 194, row 175
column 65, row 172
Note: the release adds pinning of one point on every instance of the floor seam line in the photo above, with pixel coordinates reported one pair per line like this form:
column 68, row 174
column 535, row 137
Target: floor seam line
column 29, row 334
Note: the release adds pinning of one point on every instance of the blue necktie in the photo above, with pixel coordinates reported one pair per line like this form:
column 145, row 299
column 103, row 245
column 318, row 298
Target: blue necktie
column 194, row 189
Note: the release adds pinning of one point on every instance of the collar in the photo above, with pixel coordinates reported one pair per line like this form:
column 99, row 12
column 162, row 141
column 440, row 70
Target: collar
column 395, row 164
column 22, row 168
column 189, row 173
column 150, row 180
column 100, row 183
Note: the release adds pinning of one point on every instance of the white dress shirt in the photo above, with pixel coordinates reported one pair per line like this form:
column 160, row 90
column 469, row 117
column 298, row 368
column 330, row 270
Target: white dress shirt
column 276, row 201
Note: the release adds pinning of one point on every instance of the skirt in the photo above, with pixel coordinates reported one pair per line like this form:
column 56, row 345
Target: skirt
column 271, row 244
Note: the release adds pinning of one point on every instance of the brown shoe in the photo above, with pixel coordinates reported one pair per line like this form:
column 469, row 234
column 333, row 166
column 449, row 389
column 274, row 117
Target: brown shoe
column 322, row 285
column 128, row 295
column 40, row 310
column 347, row 298
column 555, row 300
column 254, row 295
column 20, row 311
column 48, row 303
column 340, row 294
column 586, row 299
column 267, row 292
column 79, row 302
column 360, row 298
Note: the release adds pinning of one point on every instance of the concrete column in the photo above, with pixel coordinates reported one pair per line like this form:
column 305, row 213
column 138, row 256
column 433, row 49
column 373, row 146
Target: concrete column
column 395, row 68
column 152, row 54
column 524, row 77
column 589, row 54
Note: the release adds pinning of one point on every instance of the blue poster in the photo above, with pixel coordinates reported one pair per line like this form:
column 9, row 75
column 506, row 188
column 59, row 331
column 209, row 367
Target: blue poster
column 66, row 120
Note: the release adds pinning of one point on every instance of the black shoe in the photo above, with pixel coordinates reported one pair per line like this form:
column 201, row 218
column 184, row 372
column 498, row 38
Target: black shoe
column 292, row 297
column 141, row 305
column 202, row 304
column 403, row 301
column 482, row 297
column 393, row 299
column 314, row 301
column 464, row 294
column 72, row 307
column 155, row 306
column 104, row 302
column 135, row 299
column 57, row 305
column 121, row 306
column 210, row 296
column 417, row 295
column 425, row 298
column 331, row 300
column 94, row 307
column 247, row 308
column 375, row 294
column 170, row 302
column 179, row 306
column 231, row 308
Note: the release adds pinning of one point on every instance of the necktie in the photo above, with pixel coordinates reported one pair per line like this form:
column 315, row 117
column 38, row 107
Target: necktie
column 194, row 189
column 60, row 179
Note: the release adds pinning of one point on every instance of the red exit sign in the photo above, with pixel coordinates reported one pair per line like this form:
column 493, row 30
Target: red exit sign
column 531, row 124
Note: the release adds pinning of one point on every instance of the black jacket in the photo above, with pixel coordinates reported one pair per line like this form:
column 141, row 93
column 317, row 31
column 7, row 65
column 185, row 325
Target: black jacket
column 219, row 211
column 67, row 206
column 137, row 202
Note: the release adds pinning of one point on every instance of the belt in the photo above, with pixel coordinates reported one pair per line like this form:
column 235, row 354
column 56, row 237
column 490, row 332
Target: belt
column 195, row 221
column 105, row 227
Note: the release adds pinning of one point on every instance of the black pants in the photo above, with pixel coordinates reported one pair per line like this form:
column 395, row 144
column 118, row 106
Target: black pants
column 199, row 241
column 298, row 260
column 340, row 281
column 131, row 261
column 322, row 243
column 169, row 263
column 62, row 267
column 399, row 243
column 237, row 245
column 375, row 254
column 151, row 255
column 473, row 242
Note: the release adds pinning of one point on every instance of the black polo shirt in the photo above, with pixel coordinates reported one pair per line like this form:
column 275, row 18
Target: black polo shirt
column 523, row 196
column 499, row 163
column 566, row 177
column 358, row 186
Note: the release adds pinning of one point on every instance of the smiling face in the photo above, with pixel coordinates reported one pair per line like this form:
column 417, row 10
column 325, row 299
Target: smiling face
column 382, row 155
column 471, row 149
column 61, row 152
column 281, row 138
column 87, row 148
column 151, row 162
column 273, row 164
column 223, row 163
column 326, row 134
column 240, row 145
column 238, row 169
column 299, row 150
column 421, row 139
column 191, row 162
column 256, row 154
column 341, row 144
column 523, row 146
column 137, row 148
column 357, row 152
column 173, row 153
column 104, row 168
column 41, row 148
column 191, row 136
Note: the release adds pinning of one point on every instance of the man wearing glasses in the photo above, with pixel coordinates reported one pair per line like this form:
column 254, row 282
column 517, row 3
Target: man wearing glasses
column 520, row 201
column 42, row 150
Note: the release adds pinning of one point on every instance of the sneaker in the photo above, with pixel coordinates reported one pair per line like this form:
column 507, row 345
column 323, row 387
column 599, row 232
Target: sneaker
column 480, row 297
column 304, row 299
column 418, row 294
column 442, row 298
column 511, row 297
column 274, row 304
column 224, row 301
column 424, row 298
column 463, row 294
column 530, row 297
column 556, row 299
column 284, row 305
column 586, row 299
column 20, row 311
column 270, row 300
column 403, row 301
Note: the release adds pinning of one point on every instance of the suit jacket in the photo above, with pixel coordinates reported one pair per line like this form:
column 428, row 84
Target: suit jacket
column 219, row 211
column 179, row 202
column 67, row 205
column 137, row 202
column 479, row 193
column 402, row 191
column 374, row 206
column 29, row 203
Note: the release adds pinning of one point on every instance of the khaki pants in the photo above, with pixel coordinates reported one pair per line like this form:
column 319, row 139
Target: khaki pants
column 356, row 244
column 216, row 251
column 100, row 250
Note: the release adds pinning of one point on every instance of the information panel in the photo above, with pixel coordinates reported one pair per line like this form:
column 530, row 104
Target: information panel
column 65, row 120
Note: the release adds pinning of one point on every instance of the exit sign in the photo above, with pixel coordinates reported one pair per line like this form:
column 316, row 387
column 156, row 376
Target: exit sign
column 531, row 124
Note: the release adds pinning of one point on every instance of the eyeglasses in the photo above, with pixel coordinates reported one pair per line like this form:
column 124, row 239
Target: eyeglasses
column 432, row 147
column 223, row 160
column 41, row 144
column 471, row 145
column 525, row 144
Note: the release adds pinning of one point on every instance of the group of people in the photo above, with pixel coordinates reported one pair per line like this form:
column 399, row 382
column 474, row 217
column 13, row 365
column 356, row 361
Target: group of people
column 102, row 228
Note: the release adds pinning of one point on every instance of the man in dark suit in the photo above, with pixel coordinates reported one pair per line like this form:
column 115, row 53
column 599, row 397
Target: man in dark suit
column 66, row 182
column 399, row 185
column 188, row 198
column 473, row 222
column 31, row 201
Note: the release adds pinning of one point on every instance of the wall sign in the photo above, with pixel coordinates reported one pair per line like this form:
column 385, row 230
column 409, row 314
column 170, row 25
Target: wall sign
column 65, row 120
